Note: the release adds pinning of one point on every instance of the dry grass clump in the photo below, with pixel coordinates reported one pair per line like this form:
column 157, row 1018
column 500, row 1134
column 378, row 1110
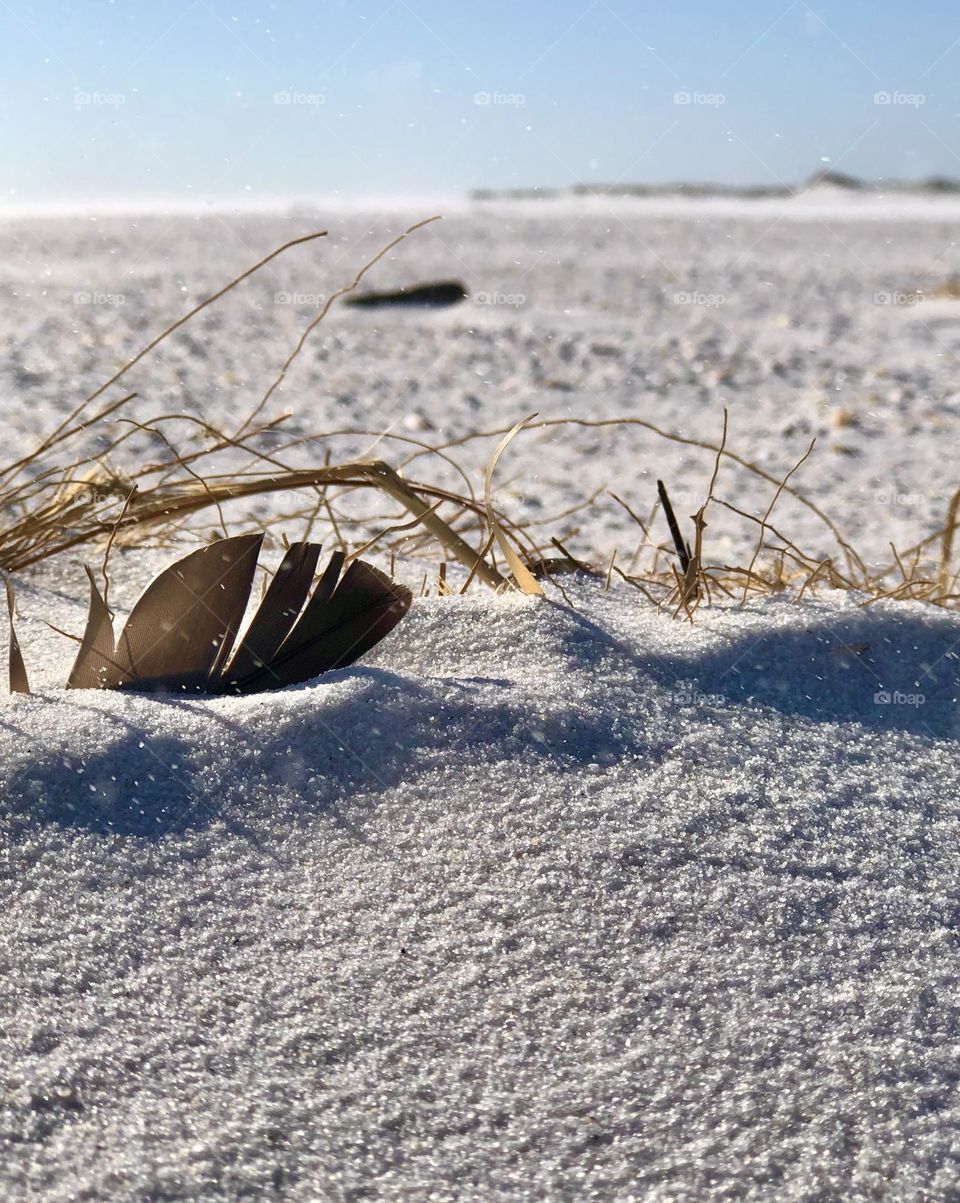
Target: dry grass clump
column 58, row 498
column 51, row 503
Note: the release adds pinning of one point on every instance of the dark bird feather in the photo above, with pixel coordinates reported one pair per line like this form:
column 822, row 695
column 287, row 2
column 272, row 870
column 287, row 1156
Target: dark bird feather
column 182, row 631
column 175, row 634
column 96, row 656
column 278, row 611
column 345, row 622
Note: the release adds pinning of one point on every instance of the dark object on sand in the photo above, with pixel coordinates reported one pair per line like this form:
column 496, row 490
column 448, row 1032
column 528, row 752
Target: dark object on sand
column 181, row 634
column 420, row 296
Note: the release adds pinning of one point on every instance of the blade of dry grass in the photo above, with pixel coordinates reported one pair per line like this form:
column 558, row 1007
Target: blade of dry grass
column 334, row 296
column 74, row 415
column 683, row 552
column 19, row 683
column 773, row 501
column 525, row 579
column 946, row 545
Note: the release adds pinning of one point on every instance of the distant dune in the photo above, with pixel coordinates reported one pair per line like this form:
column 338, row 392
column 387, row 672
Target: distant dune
column 934, row 185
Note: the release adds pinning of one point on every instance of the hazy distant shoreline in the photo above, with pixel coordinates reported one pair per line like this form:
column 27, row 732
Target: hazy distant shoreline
column 931, row 186
column 832, row 187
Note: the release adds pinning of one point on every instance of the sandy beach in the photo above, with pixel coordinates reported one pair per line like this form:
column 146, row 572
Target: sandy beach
column 560, row 898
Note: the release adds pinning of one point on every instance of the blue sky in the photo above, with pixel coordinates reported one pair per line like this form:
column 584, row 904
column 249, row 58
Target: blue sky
column 207, row 99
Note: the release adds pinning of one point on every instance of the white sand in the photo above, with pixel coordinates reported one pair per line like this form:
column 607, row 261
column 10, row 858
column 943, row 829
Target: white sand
column 536, row 903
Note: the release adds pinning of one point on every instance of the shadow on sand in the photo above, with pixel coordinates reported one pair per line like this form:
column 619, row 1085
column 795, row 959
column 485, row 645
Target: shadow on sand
column 883, row 672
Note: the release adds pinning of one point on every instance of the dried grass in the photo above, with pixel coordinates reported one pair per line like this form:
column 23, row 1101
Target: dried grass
column 58, row 498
